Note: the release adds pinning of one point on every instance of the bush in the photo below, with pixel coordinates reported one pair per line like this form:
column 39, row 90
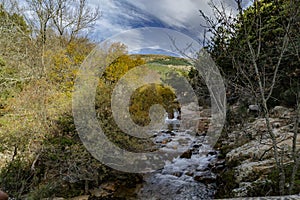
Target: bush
column 16, row 178
column 171, row 61
column 148, row 95
column 2, row 62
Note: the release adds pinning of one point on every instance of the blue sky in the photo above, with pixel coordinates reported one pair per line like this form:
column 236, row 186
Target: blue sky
column 180, row 15
column 183, row 16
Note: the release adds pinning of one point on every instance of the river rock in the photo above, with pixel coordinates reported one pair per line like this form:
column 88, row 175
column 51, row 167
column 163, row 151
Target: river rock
column 218, row 169
column 245, row 188
column 197, row 146
column 242, row 190
column 253, row 150
column 258, row 146
column 177, row 179
column 3, row 195
column 99, row 192
column 203, row 125
column 82, row 197
column 205, row 177
column 187, row 154
column 251, row 155
column 220, row 162
column 189, row 173
column 163, row 138
column 211, row 153
column 109, row 186
column 218, row 166
column 178, row 174
column 280, row 111
column 254, row 108
column 248, row 171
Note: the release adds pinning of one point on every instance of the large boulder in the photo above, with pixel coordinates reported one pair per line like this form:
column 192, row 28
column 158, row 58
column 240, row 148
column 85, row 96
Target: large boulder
column 280, row 111
column 251, row 155
column 251, row 171
column 253, row 150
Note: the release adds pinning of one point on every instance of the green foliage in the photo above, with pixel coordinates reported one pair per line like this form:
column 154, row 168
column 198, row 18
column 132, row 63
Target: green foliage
column 261, row 188
column 199, row 86
column 226, row 184
column 16, row 177
column 168, row 72
column 14, row 52
column 60, row 169
column 120, row 65
column 43, row 191
column 161, row 69
column 288, row 168
column 104, row 113
column 37, row 127
column 2, row 62
column 141, row 101
column 170, row 61
column 12, row 21
column 264, row 25
column 146, row 96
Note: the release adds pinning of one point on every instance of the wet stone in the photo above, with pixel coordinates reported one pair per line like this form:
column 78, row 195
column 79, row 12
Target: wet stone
column 3, row 195
column 187, row 154
column 189, row 173
column 220, row 162
column 197, row 146
column 205, row 177
column 211, row 153
column 218, row 168
column 186, row 176
column 178, row 174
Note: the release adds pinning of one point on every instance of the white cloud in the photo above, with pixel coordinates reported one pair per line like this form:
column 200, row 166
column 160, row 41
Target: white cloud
column 156, row 38
column 181, row 15
column 174, row 13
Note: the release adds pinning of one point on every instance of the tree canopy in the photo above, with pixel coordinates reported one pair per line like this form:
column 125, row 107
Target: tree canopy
column 272, row 29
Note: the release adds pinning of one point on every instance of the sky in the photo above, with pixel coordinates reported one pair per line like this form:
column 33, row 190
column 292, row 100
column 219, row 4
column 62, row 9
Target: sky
column 148, row 25
column 121, row 19
column 183, row 16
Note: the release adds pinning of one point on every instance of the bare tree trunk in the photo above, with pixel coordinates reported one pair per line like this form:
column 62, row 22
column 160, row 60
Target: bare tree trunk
column 255, row 75
column 296, row 156
column 265, row 97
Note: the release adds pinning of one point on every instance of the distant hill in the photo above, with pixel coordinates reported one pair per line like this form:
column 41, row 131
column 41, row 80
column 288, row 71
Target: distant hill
column 163, row 59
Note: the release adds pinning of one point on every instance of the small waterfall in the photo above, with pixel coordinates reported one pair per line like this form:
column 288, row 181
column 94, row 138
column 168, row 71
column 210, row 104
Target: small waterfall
column 173, row 120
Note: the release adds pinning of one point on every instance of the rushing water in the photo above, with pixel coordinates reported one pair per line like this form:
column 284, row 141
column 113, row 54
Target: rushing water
column 186, row 177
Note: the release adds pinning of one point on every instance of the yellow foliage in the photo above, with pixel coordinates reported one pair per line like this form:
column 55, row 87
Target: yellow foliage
column 120, row 66
column 147, row 96
column 65, row 63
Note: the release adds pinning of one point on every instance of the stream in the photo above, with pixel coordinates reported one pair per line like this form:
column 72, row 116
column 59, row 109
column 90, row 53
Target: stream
column 189, row 176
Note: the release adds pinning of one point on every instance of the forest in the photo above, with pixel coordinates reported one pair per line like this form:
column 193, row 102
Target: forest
column 257, row 51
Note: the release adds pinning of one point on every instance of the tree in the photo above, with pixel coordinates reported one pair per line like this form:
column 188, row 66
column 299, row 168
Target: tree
column 120, row 66
column 69, row 19
column 65, row 17
column 258, row 52
column 15, row 51
column 148, row 95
